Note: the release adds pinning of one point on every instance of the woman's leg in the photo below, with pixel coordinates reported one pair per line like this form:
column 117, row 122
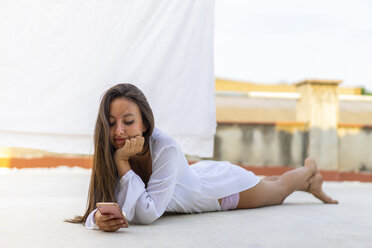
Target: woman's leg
column 273, row 191
column 271, row 178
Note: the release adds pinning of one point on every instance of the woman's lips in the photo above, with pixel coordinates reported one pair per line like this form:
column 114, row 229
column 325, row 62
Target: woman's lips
column 120, row 141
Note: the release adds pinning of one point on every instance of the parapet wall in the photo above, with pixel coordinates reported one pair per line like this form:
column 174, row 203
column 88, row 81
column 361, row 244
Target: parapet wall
column 283, row 128
column 287, row 144
column 261, row 144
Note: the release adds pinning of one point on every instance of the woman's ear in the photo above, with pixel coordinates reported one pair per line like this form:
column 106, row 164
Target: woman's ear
column 144, row 129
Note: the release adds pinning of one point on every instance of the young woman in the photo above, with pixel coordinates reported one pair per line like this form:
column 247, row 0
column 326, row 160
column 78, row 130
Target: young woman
column 145, row 171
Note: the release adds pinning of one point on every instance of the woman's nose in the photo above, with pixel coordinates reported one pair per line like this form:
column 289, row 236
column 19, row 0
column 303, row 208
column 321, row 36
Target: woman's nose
column 120, row 128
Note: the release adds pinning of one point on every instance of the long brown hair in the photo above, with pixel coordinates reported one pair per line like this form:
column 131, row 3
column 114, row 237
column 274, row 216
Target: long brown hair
column 105, row 176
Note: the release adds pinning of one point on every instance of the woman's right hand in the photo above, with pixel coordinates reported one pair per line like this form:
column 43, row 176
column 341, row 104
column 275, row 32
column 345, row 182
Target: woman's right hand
column 107, row 222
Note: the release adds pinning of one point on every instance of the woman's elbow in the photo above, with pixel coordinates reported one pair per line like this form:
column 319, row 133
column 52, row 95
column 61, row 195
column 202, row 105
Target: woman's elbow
column 146, row 220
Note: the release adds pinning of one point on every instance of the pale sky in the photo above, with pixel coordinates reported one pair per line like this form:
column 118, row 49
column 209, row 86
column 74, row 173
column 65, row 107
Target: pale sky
column 285, row 41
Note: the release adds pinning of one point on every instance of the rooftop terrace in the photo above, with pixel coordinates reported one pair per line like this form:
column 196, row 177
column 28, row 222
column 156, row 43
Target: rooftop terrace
column 36, row 201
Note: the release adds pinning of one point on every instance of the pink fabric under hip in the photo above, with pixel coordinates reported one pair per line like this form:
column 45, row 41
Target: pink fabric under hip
column 230, row 202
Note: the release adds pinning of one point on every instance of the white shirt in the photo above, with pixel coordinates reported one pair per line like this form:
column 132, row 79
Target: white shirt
column 175, row 186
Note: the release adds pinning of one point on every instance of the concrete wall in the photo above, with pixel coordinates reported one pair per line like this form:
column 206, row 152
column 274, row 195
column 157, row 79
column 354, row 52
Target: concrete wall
column 282, row 108
column 311, row 127
column 261, row 144
column 279, row 144
column 355, row 148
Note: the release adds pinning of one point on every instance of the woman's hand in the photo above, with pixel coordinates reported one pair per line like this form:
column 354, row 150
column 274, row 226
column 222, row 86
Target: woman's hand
column 130, row 148
column 107, row 222
column 121, row 156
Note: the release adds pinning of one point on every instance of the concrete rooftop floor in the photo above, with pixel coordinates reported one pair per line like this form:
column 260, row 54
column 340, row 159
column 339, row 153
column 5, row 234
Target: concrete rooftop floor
column 34, row 203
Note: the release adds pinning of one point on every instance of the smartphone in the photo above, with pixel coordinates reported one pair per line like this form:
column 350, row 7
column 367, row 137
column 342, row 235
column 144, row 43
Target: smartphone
column 112, row 208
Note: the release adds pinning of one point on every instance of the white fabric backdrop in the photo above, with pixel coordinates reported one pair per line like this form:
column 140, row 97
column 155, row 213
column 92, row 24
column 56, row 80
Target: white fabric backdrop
column 58, row 57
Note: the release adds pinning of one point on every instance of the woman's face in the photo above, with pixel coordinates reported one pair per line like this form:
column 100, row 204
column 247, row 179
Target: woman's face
column 125, row 121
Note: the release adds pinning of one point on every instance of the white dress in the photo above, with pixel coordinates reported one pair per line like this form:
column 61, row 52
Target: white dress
column 175, row 186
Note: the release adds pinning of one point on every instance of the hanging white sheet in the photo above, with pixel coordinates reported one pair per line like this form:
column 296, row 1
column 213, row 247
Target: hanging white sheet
column 58, row 57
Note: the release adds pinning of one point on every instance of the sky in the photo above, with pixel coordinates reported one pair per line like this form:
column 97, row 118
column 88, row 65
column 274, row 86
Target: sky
column 286, row 41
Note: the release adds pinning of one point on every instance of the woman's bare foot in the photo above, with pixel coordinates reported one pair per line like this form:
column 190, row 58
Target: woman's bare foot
column 311, row 165
column 315, row 188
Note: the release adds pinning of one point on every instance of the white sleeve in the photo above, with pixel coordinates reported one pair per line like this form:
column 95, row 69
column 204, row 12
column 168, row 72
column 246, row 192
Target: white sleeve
column 90, row 222
column 143, row 205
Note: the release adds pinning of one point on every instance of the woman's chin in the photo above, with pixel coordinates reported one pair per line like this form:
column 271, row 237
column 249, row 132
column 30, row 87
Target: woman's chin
column 118, row 146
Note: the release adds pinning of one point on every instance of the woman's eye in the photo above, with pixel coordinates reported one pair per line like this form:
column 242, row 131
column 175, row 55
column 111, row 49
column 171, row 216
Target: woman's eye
column 129, row 122
column 111, row 124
